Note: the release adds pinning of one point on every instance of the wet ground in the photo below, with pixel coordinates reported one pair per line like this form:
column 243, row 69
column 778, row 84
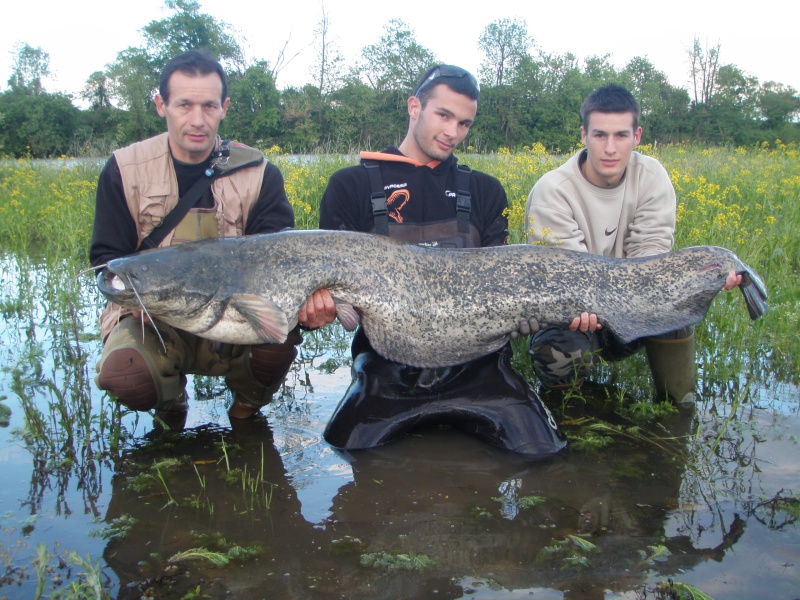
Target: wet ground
column 706, row 501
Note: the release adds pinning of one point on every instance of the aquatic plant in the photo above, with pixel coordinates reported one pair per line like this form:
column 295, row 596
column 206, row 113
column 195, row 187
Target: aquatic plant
column 404, row 562
column 573, row 551
column 118, row 528
column 217, row 542
column 524, row 501
column 677, row 590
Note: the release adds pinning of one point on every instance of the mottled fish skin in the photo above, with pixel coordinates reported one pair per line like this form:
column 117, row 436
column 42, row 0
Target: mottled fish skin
column 425, row 307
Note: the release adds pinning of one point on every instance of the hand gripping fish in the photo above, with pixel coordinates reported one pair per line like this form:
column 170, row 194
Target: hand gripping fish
column 424, row 307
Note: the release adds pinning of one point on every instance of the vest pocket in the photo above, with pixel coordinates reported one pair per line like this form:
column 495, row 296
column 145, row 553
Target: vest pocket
column 153, row 202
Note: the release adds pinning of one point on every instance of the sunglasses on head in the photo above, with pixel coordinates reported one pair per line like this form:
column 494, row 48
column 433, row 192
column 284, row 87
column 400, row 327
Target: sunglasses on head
column 447, row 71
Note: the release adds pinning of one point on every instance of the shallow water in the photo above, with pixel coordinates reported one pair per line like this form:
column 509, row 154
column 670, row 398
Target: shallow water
column 471, row 521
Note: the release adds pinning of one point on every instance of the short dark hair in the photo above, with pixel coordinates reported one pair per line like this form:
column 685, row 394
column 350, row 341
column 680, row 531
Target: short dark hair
column 457, row 79
column 193, row 63
column 611, row 98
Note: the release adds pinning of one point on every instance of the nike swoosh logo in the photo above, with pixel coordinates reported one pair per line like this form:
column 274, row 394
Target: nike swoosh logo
column 610, row 232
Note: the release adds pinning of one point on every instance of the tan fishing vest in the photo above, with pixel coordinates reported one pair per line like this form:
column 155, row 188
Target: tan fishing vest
column 151, row 191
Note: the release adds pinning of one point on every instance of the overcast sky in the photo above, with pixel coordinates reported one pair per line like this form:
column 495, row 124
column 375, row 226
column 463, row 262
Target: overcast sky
column 84, row 36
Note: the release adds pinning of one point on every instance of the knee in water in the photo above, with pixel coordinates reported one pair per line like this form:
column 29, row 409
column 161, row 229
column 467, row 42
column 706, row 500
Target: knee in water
column 126, row 376
column 271, row 362
column 562, row 357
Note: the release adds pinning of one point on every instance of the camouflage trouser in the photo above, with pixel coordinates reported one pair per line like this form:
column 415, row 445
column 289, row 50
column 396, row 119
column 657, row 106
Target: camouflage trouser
column 562, row 358
column 145, row 371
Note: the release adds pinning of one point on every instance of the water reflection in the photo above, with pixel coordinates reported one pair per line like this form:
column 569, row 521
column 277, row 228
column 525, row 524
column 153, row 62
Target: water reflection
column 209, row 496
column 709, row 502
column 581, row 524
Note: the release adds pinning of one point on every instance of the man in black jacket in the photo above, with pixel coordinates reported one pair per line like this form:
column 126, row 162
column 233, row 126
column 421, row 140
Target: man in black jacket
column 418, row 193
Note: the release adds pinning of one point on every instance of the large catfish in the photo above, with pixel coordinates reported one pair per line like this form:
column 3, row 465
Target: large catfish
column 424, row 307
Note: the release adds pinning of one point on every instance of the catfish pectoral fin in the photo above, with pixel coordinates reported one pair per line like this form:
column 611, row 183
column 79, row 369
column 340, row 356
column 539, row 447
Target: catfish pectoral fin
column 266, row 318
column 348, row 315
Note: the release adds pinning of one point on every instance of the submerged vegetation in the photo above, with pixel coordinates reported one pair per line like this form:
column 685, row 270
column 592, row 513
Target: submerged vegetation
column 745, row 199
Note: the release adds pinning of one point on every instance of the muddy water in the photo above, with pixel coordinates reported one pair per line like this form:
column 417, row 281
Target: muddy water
column 437, row 515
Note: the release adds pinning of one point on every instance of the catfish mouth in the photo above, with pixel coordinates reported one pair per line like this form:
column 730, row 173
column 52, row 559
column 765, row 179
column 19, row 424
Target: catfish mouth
column 115, row 288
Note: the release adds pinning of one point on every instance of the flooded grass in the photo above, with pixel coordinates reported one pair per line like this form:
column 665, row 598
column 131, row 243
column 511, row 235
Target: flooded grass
column 649, row 501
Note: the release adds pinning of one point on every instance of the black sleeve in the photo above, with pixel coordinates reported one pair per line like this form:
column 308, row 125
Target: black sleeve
column 114, row 231
column 493, row 210
column 343, row 205
column 272, row 211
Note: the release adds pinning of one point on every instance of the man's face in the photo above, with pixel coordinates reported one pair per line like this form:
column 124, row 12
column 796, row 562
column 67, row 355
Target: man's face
column 193, row 113
column 610, row 140
column 441, row 126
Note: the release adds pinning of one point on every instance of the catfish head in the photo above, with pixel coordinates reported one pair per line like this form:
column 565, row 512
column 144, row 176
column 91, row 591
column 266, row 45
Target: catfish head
column 222, row 289
column 170, row 284
column 194, row 287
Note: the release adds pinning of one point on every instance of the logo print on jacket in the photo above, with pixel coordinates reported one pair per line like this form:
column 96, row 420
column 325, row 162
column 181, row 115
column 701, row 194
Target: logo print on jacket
column 395, row 203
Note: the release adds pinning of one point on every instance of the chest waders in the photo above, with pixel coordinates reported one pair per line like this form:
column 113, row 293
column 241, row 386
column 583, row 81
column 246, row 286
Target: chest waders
column 450, row 233
column 484, row 397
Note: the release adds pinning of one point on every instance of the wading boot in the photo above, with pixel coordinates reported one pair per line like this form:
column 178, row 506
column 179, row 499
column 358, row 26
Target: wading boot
column 672, row 363
column 266, row 370
column 172, row 413
column 240, row 410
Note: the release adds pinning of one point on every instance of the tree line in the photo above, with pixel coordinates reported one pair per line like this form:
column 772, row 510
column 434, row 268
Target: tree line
column 527, row 94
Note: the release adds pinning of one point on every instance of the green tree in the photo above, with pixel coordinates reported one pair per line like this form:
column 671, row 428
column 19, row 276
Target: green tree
column 665, row 108
column 396, row 61
column 96, row 91
column 509, row 81
column 357, row 120
column 189, row 29
column 497, row 122
column 254, row 115
column 779, row 104
column 299, row 119
column 564, row 86
column 731, row 113
column 31, row 65
column 133, row 83
column 40, row 125
column 99, row 125
column 505, row 44
column 508, row 114
column 598, row 71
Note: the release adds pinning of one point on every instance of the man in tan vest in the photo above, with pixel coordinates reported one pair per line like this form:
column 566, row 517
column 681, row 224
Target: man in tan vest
column 240, row 193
